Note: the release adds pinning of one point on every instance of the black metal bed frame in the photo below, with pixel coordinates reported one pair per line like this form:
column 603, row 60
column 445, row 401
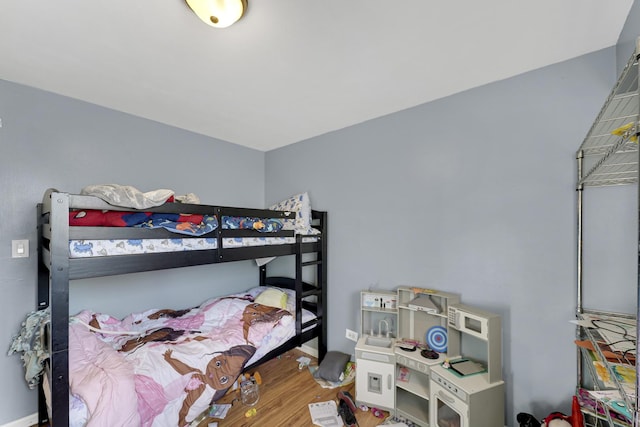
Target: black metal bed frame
column 56, row 269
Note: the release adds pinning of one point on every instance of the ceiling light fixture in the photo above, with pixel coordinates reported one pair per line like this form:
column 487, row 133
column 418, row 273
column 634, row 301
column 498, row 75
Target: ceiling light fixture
column 218, row 13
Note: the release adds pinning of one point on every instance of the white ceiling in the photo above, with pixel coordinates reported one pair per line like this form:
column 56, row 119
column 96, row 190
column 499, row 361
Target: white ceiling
column 290, row 69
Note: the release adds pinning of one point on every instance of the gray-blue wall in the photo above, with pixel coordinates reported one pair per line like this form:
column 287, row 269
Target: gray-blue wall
column 477, row 192
column 473, row 194
column 52, row 141
column 628, row 36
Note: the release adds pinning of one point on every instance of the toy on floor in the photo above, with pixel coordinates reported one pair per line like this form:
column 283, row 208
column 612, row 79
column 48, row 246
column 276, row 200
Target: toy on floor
column 377, row 413
column 255, row 377
column 527, row 420
column 555, row 419
column 347, row 409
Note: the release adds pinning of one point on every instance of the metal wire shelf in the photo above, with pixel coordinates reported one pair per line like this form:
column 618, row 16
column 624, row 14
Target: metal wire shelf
column 611, row 159
column 609, row 156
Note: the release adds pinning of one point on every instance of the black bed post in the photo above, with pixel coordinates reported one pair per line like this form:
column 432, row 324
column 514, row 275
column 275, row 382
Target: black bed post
column 322, row 282
column 42, row 302
column 59, row 306
column 298, row 287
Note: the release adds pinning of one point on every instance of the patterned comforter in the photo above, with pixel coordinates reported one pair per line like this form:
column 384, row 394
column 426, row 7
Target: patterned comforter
column 165, row 367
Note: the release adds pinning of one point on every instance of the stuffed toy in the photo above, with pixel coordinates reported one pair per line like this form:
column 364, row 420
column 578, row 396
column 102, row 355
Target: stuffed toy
column 555, row 419
column 557, row 423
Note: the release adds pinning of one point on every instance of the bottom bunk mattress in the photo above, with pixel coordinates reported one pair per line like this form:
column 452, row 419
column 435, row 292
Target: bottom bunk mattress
column 165, row 367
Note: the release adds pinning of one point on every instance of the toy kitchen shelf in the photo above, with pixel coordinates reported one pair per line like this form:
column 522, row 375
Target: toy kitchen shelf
column 421, row 312
column 375, row 361
column 378, row 310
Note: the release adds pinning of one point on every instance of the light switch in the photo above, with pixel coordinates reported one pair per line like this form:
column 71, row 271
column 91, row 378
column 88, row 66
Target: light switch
column 19, row 248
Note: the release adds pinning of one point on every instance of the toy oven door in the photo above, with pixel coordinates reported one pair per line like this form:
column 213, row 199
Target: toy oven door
column 447, row 409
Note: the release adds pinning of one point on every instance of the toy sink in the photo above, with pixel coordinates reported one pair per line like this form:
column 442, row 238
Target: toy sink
column 378, row 341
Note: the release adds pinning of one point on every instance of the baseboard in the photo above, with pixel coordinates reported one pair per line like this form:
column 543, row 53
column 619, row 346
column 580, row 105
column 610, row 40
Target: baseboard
column 28, row 421
column 309, row 350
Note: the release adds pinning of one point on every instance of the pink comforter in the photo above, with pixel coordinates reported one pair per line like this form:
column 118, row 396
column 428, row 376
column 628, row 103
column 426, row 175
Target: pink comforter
column 175, row 365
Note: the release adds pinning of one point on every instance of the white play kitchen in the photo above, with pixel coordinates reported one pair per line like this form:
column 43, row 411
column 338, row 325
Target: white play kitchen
column 428, row 359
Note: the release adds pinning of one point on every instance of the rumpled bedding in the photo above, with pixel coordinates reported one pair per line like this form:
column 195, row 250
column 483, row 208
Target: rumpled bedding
column 192, row 225
column 189, row 224
column 264, row 225
column 127, row 195
column 131, row 197
column 165, row 367
column 30, row 343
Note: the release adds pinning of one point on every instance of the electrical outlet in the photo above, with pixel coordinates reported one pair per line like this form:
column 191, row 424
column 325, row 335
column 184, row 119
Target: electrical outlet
column 352, row 335
column 20, row 248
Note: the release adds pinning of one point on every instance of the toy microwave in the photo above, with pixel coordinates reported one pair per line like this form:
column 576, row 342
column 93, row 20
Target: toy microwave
column 472, row 321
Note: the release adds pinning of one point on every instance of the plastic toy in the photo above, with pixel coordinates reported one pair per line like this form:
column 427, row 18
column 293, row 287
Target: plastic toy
column 255, row 377
column 347, row 409
column 555, row 419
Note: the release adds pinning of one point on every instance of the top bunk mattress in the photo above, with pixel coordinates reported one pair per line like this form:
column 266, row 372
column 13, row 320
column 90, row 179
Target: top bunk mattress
column 111, row 247
column 97, row 228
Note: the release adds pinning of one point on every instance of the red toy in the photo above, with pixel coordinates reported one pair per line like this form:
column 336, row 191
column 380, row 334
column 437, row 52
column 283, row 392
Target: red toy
column 557, row 419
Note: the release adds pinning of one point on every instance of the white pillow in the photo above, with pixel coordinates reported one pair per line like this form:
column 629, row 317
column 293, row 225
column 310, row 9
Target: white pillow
column 301, row 205
column 257, row 290
column 272, row 298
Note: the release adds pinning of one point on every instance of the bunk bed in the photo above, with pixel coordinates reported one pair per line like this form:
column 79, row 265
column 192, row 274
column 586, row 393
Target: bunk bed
column 57, row 265
column 607, row 375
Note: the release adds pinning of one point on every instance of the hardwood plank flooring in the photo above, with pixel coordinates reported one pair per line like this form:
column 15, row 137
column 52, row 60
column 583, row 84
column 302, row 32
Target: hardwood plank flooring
column 285, row 394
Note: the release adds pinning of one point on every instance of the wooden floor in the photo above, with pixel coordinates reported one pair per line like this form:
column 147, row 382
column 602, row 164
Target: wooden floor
column 285, row 394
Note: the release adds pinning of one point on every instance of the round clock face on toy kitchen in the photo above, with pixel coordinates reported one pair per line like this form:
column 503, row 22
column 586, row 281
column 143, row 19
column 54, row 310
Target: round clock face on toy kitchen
column 436, row 338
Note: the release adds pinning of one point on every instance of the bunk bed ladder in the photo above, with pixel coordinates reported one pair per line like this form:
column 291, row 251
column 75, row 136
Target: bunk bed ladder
column 304, row 290
column 320, row 289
